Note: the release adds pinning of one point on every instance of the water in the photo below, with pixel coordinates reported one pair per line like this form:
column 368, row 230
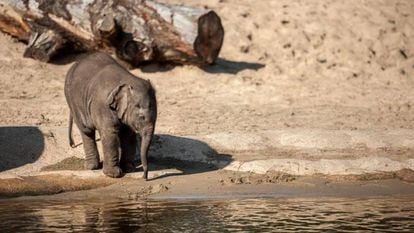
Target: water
column 240, row 215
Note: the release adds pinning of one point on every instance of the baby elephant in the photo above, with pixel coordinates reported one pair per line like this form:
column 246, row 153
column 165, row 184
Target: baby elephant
column 104, row 96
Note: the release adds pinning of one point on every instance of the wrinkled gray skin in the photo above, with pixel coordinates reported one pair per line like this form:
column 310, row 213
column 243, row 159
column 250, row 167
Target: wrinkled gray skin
column 104, row 96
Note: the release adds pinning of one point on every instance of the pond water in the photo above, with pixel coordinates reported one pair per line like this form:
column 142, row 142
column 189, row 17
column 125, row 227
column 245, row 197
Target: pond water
column 239, row 215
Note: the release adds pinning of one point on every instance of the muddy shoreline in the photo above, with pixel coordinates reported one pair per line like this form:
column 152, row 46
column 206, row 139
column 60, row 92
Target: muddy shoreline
column 173, row 179
column 302, row 187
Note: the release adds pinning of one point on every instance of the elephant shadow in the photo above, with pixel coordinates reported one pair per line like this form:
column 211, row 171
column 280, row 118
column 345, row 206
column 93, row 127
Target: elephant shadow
column 20, row 146
column 224, row 66
column 187, row 155
column 221, row 66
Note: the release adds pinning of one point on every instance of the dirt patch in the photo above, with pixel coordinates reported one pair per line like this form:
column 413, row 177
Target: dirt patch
column 364, row 177
column 405, row 174
column 50, row 184
column 71, row 163
column 252, row 178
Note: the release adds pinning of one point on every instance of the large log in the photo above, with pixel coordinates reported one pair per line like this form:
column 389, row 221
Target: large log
column 135, row 30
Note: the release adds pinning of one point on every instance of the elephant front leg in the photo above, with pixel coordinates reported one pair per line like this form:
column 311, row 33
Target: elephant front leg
column 128, row 150
column 91, row 152
column 111, row 149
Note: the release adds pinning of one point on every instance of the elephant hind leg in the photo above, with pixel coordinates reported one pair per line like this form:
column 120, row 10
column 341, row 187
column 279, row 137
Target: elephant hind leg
column 128, row 149
column 91, row 151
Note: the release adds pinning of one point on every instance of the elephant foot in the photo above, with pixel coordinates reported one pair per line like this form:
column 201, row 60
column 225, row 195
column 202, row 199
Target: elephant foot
column 92, row 165
column 114, row 172
column 145, row 175
column 128, row 167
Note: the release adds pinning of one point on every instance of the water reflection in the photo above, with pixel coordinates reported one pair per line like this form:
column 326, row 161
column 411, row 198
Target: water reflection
column 243, row 215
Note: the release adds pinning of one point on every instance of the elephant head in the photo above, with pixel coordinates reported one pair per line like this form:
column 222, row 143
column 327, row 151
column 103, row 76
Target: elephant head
column 136, row 107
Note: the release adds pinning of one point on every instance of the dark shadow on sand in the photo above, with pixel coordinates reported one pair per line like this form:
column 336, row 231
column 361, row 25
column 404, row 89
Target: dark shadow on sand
column 190, row 156
column 68, row 55
column 19, row 146
column 223, row 66
column 187, row 155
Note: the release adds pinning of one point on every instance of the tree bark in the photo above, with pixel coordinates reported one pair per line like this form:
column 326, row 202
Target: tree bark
column 135, row 30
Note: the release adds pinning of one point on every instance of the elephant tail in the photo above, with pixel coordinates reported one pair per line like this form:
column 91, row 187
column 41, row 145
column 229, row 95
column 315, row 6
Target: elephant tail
column 71, row 143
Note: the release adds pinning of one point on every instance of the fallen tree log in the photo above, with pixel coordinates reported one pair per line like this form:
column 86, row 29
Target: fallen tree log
column 135, row 30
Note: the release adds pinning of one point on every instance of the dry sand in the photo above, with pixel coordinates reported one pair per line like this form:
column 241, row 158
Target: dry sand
column 285, row 64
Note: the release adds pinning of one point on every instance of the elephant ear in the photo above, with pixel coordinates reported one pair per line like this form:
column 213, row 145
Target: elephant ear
column 118, row 99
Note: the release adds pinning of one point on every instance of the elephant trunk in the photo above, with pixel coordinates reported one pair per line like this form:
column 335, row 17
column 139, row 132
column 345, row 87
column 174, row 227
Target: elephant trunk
column 146, row 137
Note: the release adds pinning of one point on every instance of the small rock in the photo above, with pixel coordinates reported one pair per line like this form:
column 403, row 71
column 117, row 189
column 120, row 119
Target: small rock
column 373, row 51
column 406, row 175
column 279, row 177
column 266, row 55
column 159, row 188
column 245, row 49
column 245, row 180
column 331, row 66
column 245, row 15
column 402, row 52
column 236, row 180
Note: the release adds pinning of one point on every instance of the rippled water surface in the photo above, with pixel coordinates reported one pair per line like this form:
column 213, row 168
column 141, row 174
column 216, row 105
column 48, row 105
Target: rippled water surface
column 241, row 215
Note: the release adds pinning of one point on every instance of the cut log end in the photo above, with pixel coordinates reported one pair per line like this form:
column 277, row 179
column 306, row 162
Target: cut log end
column 43, row 45
column 210, row 37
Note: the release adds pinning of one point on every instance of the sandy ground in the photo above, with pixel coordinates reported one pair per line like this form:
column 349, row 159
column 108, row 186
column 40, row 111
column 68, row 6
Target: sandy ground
column 346, row 65
column 313, row 64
